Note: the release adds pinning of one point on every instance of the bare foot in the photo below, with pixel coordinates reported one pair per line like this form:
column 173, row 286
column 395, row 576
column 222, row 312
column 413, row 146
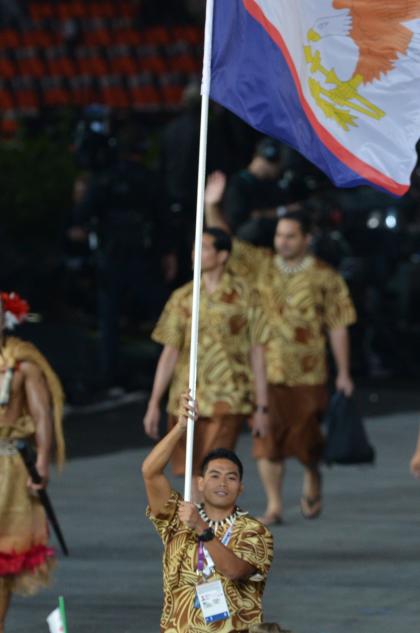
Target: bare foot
column 311, row 507
column 270, row 518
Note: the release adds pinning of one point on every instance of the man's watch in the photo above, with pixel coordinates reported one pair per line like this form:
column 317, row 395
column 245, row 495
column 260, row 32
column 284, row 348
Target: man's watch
column 263, row 408
column 207, row 535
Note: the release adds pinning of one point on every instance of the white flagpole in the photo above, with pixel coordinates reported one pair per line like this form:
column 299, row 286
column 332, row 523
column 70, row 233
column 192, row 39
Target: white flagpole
column 205, row 90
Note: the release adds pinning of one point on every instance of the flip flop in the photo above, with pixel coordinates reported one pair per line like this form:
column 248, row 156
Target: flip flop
column 270, row 519
column 313, row 504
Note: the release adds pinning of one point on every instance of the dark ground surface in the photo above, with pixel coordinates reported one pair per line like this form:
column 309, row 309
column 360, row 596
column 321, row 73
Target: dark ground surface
column 354, row 570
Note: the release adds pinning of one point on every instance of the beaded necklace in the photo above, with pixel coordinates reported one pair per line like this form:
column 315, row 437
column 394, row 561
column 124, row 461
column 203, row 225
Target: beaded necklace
column 297, row 268
column 227, row 521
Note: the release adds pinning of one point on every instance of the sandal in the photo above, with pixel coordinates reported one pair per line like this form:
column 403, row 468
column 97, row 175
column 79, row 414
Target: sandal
column 270, row 519
column 311, row 507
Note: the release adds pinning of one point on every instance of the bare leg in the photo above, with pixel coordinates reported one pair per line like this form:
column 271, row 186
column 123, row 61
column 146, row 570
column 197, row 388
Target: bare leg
column 271, row 474
column 5, row 595
column 311, row 502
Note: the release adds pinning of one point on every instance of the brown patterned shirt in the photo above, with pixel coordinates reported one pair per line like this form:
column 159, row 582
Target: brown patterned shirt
column 251, row 541
column 231, row 322
column 301, row 308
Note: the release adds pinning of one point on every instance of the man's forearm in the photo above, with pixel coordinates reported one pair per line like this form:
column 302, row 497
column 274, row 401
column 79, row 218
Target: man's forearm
column 215, row 218
column 225, row 561
column 158, row 458
column 164, row 373
column 43, row 438
column 340, row 346
column 260, row 375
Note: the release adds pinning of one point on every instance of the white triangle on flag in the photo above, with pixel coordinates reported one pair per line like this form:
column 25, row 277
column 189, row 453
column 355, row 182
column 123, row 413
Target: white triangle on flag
column 55, row 622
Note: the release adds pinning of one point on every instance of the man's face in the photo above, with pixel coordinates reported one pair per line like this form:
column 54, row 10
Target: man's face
column 221, row 484
column 272, row 169
column 289, row 241
column 211, row 258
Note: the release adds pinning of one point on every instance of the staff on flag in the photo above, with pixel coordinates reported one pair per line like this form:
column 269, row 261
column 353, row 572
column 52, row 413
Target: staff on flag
column 205, row 90
column 57, row 620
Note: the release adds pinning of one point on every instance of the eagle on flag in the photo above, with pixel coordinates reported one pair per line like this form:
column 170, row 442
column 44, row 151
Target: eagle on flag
column 381, row 33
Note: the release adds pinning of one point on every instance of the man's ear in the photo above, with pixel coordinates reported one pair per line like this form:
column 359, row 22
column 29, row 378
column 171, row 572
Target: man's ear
column 223, row 256
column 200, row 484
column 241, row 488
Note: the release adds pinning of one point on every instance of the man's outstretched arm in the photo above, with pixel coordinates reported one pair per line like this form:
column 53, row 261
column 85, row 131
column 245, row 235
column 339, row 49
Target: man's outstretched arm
column 164, row 372
column 158, row 488
column 39, row 405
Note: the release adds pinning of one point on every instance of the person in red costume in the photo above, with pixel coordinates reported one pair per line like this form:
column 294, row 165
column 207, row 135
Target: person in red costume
column 31, row 403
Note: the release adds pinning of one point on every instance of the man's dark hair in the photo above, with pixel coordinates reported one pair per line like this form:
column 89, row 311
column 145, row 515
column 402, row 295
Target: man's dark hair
column 222, row 240
column 301, row 217
column 269, row 149
column 222, row 453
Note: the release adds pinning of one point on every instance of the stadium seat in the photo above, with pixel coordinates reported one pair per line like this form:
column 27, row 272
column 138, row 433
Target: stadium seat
column 7, row 68
column 113, row 93
column 143, row 93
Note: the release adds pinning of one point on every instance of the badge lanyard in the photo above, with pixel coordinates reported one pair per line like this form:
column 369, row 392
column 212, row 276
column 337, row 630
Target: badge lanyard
column 204, row 556
column 209, row 569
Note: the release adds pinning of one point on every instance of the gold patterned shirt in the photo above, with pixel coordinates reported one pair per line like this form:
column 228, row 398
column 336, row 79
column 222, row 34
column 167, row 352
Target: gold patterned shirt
column 231, row 322
column 301, row 307
column 251, row 541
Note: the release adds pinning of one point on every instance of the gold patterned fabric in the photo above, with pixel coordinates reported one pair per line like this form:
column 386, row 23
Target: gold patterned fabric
column 26, row 560
column 301, row 308
column 251, row 541
column 231, row 322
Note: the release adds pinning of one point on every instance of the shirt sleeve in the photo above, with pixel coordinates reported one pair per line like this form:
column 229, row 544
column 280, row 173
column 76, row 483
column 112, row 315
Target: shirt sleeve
column 255, row 546
column 167, row 521
column 170, row 328
column 339, row 308
column 259, row 325
column 246, row 259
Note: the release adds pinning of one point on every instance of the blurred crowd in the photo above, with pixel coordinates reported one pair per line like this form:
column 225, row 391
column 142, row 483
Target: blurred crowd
column 123, row 242
column 131, row 228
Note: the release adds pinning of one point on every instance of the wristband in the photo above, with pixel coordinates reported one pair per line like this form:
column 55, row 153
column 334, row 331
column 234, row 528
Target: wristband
column 261, row 407
column 207, row 535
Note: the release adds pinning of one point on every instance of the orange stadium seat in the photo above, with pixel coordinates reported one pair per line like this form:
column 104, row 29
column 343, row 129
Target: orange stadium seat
column 54, row 92
column 83, row 91
column 143, row 93
column 97, row 33
column 128, row 8
column 181, row 59
column 122, row 61
column 7, row 101
column 9, row 124
column 103, row 9
column 191, row 34
column 126, row 35
column 26, row 96
column 151, row 60
column 172, row 88
column 59, row 63
column 158, row 35
column 10, row 38
column 90, row 62
column 41, row 10
column 7, row 68
column 29, row 63
column 113, row 93
column 38, row 38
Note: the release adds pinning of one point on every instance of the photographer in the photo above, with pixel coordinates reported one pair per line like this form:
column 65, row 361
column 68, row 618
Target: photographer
column 121, row 215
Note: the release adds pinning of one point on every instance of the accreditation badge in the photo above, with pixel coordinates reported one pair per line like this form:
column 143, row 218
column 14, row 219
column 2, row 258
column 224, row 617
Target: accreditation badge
column 212, row 601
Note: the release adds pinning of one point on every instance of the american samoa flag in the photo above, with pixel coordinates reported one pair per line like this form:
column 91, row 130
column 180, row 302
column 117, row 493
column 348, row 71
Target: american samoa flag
column 338, row 80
